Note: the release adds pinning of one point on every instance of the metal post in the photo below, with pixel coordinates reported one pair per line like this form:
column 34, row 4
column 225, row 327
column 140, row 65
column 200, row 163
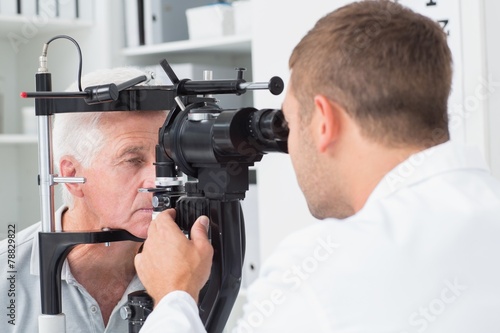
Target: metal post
column 45, row 166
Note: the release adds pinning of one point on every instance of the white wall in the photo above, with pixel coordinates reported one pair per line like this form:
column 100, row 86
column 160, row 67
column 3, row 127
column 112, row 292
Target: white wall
column 277, row 27
column 474, row 71
column 8, row 84
column 491, row 29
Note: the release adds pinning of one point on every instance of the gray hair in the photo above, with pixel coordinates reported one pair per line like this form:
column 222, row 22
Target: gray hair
column 79, row 134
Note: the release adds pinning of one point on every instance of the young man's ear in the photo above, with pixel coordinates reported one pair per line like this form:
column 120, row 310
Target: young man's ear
column 327, row 121
column 69, row 167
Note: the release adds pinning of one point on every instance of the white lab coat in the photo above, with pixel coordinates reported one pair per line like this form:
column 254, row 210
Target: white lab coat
column 423, row 255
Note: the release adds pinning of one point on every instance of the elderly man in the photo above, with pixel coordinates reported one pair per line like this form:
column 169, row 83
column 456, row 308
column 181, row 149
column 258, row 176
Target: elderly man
column 114, row 151
column 397, row 251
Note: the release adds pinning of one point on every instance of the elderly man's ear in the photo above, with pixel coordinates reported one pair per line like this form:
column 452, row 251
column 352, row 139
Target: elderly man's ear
column 327, row 122
column 68, row 167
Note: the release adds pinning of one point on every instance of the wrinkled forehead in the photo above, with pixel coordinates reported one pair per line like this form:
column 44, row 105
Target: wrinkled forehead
column 113, row 119
column 123, row 124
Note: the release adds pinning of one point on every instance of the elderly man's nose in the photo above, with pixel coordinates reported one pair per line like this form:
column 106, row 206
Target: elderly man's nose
column 149, row 177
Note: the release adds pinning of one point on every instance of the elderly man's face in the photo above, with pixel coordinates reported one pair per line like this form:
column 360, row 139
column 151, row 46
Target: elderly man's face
column 124, row 165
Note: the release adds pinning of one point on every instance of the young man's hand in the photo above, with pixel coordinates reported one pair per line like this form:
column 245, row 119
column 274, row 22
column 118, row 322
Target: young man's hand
column 169, row 261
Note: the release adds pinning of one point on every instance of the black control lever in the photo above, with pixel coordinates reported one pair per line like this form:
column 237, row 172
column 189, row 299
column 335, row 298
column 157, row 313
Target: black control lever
column 92, row 95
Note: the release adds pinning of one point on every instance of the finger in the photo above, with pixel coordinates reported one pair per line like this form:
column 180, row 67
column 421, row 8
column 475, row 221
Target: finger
column 164, row 221
column 139, row 250
column 171, row 212
column 168, row 214
column 199, row 230
column 137, row 262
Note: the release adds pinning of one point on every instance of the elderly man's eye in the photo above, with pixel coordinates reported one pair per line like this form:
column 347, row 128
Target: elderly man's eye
column 135, row 161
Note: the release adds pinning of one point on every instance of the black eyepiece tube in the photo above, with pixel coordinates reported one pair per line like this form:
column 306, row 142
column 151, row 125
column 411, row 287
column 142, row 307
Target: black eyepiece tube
column 270, row 130
column 164, row 165
column 250, row 132
column 270, row 124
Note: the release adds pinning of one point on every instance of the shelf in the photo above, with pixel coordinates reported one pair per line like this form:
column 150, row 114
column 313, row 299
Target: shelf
column 226, row 44
column 18, row 139
column 23, row 28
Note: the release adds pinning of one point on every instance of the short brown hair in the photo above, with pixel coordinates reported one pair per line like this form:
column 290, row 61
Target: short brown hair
column 389, row 67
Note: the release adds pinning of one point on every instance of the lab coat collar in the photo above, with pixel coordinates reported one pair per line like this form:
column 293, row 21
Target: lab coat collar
column 428, row 163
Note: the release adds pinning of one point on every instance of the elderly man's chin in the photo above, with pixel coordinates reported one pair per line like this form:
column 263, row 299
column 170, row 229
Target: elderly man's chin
column 140, row 225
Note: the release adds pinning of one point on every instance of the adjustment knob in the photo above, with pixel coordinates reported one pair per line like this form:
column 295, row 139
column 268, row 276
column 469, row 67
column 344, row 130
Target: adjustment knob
column 276, row 85
column 161, row 200
column 126, row 312
column 240, row 71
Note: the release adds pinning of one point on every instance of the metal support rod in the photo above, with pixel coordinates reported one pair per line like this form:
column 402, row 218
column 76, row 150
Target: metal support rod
column 254, row 85
column 47, row 323
column 73, row 180
column 46, row 168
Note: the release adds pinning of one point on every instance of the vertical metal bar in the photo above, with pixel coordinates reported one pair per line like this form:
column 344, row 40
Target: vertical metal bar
column 45, row 167
column 44, row 112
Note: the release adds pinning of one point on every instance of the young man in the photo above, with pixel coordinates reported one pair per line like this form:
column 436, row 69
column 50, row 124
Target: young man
column 410, row 237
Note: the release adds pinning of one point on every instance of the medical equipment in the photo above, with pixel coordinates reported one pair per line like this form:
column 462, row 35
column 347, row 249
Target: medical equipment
column 214, row 147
